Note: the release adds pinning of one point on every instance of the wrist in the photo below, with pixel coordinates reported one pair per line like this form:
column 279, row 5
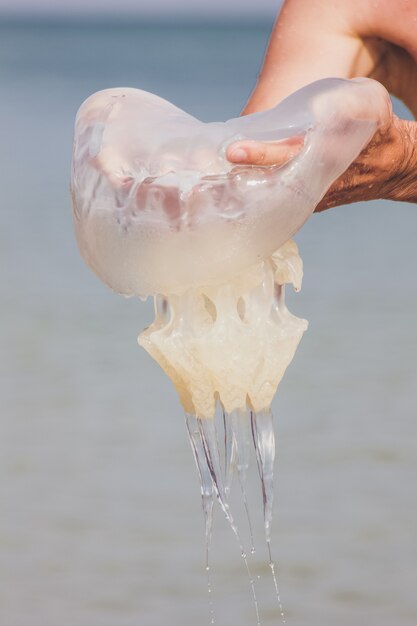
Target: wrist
column 385, row 169
column 401, row 185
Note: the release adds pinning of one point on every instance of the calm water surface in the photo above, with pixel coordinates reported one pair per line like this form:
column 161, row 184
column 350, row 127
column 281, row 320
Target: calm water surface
column 100, row 519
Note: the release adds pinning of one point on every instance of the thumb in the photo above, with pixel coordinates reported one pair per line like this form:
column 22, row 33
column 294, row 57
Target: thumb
column 251, row 152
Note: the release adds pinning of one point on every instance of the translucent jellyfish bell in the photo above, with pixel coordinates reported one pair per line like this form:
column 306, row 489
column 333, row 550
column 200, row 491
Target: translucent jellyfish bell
column 159, row 210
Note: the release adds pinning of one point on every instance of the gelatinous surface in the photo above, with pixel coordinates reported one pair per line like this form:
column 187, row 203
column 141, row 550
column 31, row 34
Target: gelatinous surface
column 233, row 341
column 160, row 211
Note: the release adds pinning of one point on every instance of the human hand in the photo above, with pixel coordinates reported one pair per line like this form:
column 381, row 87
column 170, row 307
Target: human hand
column 344, row 39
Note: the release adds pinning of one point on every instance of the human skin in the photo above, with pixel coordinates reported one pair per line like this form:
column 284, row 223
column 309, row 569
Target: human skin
column 315, row 39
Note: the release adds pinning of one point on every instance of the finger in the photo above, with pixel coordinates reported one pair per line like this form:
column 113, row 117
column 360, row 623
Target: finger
column 263, row 152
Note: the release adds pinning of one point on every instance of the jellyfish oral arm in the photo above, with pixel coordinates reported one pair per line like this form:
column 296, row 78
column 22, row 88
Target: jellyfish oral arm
column 230, row 343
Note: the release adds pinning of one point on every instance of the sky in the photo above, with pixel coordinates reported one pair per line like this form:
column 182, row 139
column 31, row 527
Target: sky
column 158, row 8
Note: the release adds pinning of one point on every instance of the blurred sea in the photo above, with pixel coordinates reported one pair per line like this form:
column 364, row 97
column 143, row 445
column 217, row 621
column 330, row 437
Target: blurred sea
column 100, row 521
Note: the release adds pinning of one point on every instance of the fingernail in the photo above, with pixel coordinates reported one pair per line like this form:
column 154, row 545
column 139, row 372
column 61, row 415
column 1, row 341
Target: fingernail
column 238, row 154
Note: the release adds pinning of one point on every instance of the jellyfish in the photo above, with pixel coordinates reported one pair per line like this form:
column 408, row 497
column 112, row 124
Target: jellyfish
column 159, row 211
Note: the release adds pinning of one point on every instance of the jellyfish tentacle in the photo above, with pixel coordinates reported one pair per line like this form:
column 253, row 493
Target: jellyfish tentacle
column 208, row 434
column 229, row 452
column 206, row 481
column 240, row 425
column 264, row 442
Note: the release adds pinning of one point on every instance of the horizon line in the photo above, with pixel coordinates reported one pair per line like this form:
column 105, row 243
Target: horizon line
column 127, row 16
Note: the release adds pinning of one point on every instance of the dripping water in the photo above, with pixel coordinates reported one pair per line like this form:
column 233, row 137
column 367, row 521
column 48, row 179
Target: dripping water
column 239, row 428
column 264, row 442
column 274, row 578
column 203, row 439
column 207, row 494
column 209, row 590
column 209, row 438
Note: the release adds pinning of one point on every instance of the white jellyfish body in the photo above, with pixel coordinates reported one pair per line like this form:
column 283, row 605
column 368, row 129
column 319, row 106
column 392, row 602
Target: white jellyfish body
column 158, row 210
column 158, row 207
